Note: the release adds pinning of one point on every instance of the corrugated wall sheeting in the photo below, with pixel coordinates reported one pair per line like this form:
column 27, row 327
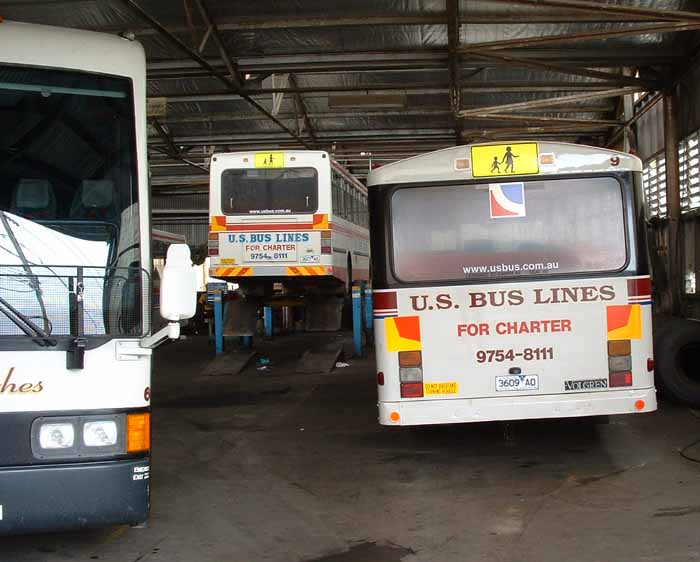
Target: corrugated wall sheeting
column 650, row 127
column 650, row 132
column 690, row 102
column 187, row 201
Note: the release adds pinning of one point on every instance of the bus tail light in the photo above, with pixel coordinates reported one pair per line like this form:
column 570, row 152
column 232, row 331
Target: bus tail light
column 411, row 390
column 411, row 374
column 618, row 348
column 621, row 363
column 620, row 379
column 213, row 247
column 410, row 359
column 326, row 244
column 380, row 378
column 650, row 365
column 138, row 432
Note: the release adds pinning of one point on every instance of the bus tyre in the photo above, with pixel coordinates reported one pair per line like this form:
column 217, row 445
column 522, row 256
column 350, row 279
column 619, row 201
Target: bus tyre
column 677, row 357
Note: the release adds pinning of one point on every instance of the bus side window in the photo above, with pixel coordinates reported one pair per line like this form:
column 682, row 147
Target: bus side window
column 364, row 212
column 356, row 206
column 334, row 192
column 347, row 204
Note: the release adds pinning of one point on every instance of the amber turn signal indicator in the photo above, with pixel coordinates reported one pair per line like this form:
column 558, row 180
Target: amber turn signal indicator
column 410, row 359
column 617, row 348
column 138, row 432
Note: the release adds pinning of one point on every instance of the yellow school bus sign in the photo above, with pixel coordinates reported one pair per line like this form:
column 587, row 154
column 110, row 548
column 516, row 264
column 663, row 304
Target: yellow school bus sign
column 269, row 160
column 513, row 159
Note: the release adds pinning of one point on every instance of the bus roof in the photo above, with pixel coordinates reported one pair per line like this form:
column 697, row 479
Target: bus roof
column 235, row 158
column 71, row 49
column 491, row 160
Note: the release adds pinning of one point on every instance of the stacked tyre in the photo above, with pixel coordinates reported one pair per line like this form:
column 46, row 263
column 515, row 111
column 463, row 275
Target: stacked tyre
column 677, row 359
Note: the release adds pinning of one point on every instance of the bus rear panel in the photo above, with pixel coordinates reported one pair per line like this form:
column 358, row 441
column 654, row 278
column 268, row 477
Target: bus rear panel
column 501, row 298
column 275, row 218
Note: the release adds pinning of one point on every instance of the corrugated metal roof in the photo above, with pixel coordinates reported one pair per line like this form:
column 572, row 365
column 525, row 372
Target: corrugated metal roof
column 337, row 61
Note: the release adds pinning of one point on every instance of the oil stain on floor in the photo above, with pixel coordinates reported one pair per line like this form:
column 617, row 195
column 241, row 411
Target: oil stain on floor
column 368, row 552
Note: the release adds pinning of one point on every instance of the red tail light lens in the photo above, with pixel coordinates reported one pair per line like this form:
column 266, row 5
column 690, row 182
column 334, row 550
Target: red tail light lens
column 620, row 379
column 650, row 365
column 380, row 378
column 411, row 390
column 326, row 250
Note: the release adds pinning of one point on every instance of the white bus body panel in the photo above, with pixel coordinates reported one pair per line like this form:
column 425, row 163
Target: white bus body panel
column 455, row 327
column 106, row 381
column 116, row 375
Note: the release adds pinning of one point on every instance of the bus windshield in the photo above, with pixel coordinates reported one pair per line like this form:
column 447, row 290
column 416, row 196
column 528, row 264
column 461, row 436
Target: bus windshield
column 69, row 218
column 278, row 191
column 508, row 230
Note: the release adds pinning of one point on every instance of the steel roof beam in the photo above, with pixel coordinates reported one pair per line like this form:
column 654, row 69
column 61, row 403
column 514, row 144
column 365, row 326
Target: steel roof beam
column 411, row 89
column 231, row 65
column 170, row 148
column 548, row 102
column 543, row 119
column 585, row 72
column 412, row 60
column 434, row 18
column 584, row 36
column 605, row 8
column 302, row 109
column 230, row 85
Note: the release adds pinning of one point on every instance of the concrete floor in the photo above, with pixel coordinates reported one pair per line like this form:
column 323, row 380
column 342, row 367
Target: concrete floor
column 273, row 466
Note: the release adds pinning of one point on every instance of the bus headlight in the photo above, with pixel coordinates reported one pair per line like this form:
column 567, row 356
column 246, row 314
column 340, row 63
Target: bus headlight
column 75, row 437
column 56, row 435
column 102, row 433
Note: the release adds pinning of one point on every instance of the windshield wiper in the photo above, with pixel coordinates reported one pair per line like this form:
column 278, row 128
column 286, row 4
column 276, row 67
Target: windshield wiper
column 24, row 323
column 33, row 279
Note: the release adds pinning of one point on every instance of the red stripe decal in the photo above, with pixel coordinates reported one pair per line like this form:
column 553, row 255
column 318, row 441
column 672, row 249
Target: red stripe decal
column 383, row 301
column 639, row 287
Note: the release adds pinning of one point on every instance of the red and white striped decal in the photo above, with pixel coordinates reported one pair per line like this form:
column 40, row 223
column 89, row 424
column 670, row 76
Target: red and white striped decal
column 385, row 304
column 639, row 290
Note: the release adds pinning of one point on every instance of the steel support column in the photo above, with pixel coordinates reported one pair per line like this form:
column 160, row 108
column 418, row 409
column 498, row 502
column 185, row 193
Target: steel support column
column 453, row 63
column 673, row 198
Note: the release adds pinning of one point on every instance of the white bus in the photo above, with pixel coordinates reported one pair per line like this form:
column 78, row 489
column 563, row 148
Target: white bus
column 296, row 218
column 75, row 341
column 510, row 281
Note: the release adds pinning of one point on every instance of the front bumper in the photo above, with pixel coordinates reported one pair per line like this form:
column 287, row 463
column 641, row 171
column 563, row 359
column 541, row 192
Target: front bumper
column 63, row 497
column 517, row 407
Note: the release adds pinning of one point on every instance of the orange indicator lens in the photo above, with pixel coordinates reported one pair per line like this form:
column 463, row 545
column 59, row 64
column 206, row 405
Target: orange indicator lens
column 410, row 359
column 138, row 432
column 619, row 347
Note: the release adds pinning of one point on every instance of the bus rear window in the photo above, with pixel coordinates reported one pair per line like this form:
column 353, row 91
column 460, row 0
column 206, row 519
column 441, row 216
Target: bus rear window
column 278, row 191
column 508, row 229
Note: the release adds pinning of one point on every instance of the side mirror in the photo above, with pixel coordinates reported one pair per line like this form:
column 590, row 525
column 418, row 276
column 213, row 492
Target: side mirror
column 178, row 285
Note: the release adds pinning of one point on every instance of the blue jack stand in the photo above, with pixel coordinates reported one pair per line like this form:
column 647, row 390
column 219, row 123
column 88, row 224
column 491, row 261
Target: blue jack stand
column 268, row 322
column 357, row 319
column 216, row 294
column 362, row 312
